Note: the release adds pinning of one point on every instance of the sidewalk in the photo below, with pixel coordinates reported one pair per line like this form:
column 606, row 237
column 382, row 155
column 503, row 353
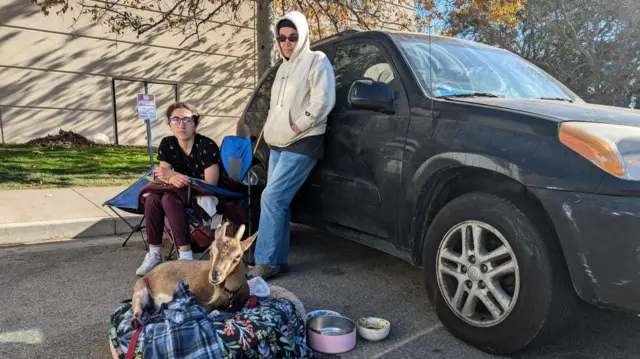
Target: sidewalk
column 31, row 216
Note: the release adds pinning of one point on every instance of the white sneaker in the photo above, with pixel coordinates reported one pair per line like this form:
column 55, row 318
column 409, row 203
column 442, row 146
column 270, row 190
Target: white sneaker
column 150, row 261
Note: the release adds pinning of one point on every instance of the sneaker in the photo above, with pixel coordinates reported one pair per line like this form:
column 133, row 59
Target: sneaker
column 264, row 271
column 150, row 261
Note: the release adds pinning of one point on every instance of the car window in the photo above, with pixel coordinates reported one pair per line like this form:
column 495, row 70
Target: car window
column 357, row 61
column 445, row 67
column 263, row 93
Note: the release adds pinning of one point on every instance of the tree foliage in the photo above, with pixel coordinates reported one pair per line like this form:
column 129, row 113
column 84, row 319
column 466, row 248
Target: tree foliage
column 191, row 18
column 590, row 45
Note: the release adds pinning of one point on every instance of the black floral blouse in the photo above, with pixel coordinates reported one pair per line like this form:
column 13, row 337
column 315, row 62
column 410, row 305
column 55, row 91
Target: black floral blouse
column 205, row 152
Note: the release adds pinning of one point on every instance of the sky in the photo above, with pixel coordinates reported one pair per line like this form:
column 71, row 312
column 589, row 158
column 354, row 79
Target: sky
column 437, row 24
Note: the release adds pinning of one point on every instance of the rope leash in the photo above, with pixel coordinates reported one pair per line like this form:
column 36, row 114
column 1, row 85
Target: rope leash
column 258, row 141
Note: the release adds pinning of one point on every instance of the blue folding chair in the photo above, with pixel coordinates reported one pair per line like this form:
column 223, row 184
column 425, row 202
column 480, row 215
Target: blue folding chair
column 236, row 157
column 127, row 201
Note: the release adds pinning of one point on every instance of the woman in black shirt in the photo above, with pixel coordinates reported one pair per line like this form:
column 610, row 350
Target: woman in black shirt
column 183, row 155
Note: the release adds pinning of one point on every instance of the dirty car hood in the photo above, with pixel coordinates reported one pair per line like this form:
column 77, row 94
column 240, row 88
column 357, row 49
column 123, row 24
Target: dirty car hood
column 563, row 111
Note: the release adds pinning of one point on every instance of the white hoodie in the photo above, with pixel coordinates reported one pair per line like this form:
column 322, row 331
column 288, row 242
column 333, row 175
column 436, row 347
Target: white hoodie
column 303, row 91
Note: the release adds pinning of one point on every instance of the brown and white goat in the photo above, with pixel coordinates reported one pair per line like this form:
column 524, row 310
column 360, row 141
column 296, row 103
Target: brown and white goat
column 217, row 284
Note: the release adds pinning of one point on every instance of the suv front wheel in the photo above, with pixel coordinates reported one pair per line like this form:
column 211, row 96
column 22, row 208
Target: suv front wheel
column 494, row 272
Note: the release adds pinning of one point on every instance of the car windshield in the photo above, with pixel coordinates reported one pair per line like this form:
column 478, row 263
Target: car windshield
column 463, row 68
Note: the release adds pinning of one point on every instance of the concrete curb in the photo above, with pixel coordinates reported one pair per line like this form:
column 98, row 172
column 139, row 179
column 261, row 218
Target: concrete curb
column 43, row 231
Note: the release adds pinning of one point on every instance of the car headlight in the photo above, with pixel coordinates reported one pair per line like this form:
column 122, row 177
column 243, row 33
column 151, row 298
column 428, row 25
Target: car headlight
column 614, row 148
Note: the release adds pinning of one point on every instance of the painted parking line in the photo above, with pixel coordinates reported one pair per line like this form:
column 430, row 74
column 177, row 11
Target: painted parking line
column 407, row 341
column 33, row 336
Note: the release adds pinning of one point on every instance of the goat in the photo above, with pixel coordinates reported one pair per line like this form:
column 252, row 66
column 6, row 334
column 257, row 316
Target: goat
column 217, row 284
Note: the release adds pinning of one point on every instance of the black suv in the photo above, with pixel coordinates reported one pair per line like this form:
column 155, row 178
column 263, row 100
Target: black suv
column 514, row 195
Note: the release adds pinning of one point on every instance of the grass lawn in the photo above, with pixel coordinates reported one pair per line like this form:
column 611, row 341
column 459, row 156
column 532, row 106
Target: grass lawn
column 24, row 166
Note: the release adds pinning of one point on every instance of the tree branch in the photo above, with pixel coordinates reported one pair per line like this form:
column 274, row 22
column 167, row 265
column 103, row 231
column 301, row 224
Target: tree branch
column 148, row 27
column 202, row 21
column 124, row 17
column 326, row 11
column 317, row 17
column 358, row 18
column 576, row 38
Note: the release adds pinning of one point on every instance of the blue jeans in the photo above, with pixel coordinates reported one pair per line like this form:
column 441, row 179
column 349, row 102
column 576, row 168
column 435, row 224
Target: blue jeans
column 287, row 172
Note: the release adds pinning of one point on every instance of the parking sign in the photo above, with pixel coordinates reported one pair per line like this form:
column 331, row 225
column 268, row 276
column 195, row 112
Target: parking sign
column 146, row 107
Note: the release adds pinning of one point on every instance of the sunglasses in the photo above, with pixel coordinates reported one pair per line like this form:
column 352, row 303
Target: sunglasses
column 291, row 38
column 186, row 120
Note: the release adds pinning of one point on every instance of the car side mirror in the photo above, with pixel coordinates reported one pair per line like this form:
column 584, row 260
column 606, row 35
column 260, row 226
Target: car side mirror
column 372, row 95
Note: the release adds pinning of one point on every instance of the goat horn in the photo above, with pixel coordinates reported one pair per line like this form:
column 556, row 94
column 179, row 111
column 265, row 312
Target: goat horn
column 240, row 232
column 223, row 230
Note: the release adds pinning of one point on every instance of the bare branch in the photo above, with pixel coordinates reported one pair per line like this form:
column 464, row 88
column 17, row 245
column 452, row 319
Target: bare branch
column 331, row 18
column 146, row 27
column 201, row 22
column 358, row 18
column 317, row 16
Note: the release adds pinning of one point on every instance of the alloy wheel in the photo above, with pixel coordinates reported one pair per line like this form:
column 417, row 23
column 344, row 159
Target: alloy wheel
column 478, row 273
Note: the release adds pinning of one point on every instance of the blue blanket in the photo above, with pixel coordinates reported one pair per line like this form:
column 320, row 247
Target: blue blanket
column 183, row 329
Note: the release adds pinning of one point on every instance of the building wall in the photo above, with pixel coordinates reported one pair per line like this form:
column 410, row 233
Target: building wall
column 53, row 77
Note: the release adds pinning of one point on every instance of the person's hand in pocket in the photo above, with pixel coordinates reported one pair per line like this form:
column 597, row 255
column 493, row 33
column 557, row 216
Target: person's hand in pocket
column 295, row 128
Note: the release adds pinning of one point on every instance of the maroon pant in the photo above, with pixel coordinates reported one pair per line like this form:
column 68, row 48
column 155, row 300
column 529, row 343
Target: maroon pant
column 159, row 205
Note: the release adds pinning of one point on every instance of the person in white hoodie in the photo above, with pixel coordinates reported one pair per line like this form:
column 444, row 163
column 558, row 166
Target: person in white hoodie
column 302, row 95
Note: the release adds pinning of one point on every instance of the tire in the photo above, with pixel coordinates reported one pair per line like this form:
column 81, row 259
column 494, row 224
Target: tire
column 541, row 294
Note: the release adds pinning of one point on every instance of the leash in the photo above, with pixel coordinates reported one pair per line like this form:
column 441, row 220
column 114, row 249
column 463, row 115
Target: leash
column 131, row 350
column 253, row 302
column 258, row 141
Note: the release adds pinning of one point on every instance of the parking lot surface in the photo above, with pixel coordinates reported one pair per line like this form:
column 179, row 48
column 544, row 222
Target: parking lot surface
column 56, row 300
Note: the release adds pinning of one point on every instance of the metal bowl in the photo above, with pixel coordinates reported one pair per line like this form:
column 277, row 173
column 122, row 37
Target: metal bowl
column 331, row 334
column 332, row 325
column 321, row 312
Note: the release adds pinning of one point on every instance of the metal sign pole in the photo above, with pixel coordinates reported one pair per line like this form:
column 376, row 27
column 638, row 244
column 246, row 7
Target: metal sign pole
column 148, row 122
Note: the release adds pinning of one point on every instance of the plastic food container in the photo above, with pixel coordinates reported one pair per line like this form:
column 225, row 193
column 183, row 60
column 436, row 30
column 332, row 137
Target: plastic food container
column 373, row 329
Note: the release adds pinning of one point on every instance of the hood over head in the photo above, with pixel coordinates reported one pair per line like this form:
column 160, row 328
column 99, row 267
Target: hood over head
column 302, row 27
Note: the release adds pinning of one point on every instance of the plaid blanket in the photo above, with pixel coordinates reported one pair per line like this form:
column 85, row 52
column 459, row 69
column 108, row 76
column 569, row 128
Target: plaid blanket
column 184, row 329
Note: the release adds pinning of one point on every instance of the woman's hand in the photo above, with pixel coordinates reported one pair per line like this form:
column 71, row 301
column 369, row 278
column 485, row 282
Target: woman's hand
column 167, row 175
column 179, row 180
column 295, row 128
column 163, row 173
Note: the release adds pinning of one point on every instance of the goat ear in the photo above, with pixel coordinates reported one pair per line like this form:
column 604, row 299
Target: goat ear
column 248, row 242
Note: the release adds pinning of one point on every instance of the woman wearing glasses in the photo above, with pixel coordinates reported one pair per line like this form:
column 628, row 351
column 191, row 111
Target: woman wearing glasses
column 302, row 95
column 183, row 155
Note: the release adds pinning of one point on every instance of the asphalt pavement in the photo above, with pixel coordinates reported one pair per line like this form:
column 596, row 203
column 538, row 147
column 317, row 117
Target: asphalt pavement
column 56, row 300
